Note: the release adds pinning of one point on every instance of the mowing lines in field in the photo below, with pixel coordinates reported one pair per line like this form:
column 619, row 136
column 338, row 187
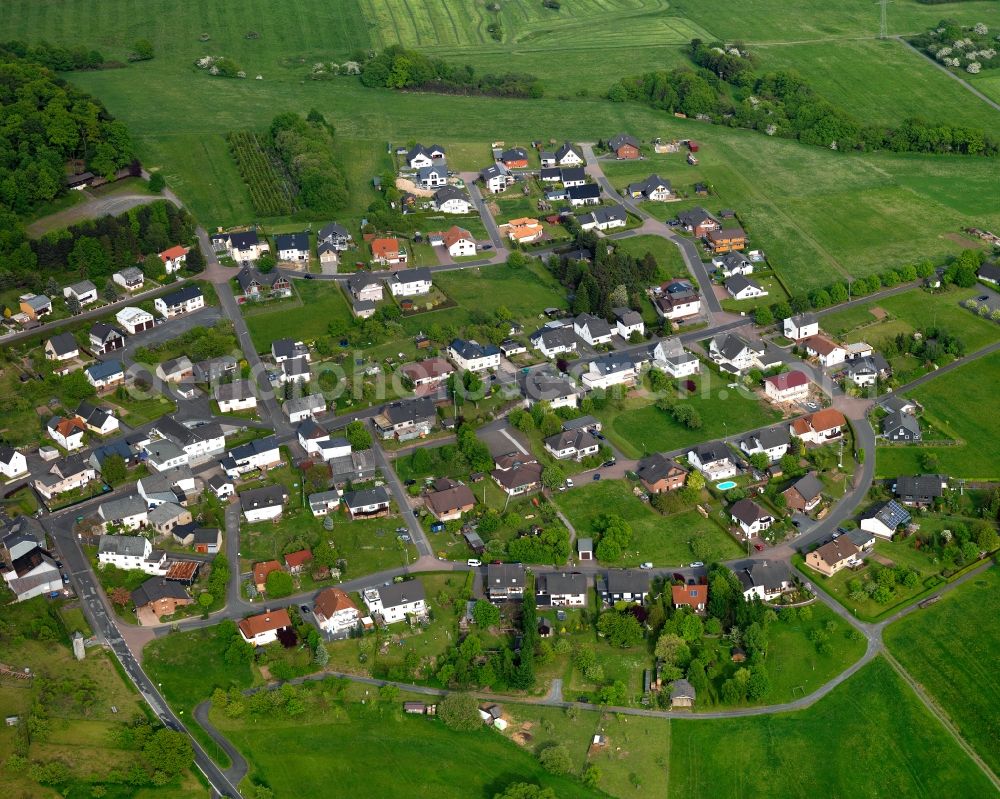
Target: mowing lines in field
column 269, row 191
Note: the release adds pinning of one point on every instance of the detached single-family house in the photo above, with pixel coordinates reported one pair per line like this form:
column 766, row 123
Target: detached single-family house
column 260, row 504
column 173, row 486
column 496, row 178
column 587, row 194
column 35, row 306
column 786, row 387
column 336, row 236
column 764, row 580
column 989, row 273
column 394, row 602
column 255, row 284
column 751, row 518
column 96, row 419
column 222, row 486
column 569, row 155
column 182, row 301
column 369, row 503
column 553, row 341
column 920, row 491
column 610, row 370
column 85, row 292
column 625, row 585
column 335, row 612
column 772, row 441
column 821, row 427
column 827, row 352
column 744, row 288
column 434, row 175
column 105, row 374
column 834, row 556
column 12, row 462
column 64, row 476
column 800, row 327
column 884, row 518
column 429, row 372
column 66, row 432
column 62, row 347
column 264, row 628
column 713, row 459
column 287, row 349
column 406, row 419
column 324, row 503
column 130, row 278
column 292, row 247
column 135, row 320
column 576, row 444
column 449, row 500
column 698, row 221
column 173, row 258
column 593, row 330
column 388, row 252
column 131, row 552
column 175, row 370
column 241, row 245
column 104, row 338
column 659, row 474
column 240, row 395
column 625, row 147
column 603, row 218
column 572, row 176
column 690, row 596
column 679, row 305
column 296, row 561
column 670, row 356
column 299, row 409
column 129, row 512
column 514, row 158
column 164, row 518
column 804, row 494
column 558, row 392
column 682, row 694
column 628, row 322
column 517, row 474
column 732, row 264
column 561, row 589
column 726, row 239
column 652, row 188
column 472, row 356
column 505, row 581
column 160, row 597
column 419, row 156
column 899, row 426
column 523, row 230
column 410, row 282
column 450, row 200
column 459, row 242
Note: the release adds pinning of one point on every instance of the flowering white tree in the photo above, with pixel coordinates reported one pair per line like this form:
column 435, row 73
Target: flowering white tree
column 980, row 29
column 973, row 68
column 971, row 304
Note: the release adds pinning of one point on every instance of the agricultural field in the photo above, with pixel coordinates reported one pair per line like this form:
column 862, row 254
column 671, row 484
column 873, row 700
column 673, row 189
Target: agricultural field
column 664, row 540
column 269, row 192
column 947, row 647
column 955, row 405
column 871, row 727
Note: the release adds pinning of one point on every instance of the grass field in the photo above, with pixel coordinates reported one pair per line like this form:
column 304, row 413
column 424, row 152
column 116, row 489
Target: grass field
column 524, row 292
column 660, row 539
column 322, row 302
column 947, row 648
column 668, row 256
column 956, row 405
column 870, row 737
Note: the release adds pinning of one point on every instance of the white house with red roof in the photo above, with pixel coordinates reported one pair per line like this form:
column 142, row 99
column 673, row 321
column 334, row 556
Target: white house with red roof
column 787, row 387
column 174, row 258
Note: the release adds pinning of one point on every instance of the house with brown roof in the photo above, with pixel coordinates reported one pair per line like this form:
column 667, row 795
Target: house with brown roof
column 804, row 494
column 450, row 501
column 160, row 597
column 827, row 352
column 388, row 252
column 335, row 611
column 296, row 561
column 787, row 387
column 429, row 372
column 726, row 240
column 264, row 628
column 459, row 242
column 625, row 147
column 659, row 474
column 690, row 596
column 260, row 572
column 834, row 556
column 821, row 427
column 523, row 230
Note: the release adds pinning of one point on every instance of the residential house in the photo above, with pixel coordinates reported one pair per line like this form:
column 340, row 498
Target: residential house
column 292, row 247
column 160, row 597
column 336, row 236
column 324, row 503
column 583, row 423
column 130, row 512
column 176, row 370
column 406, row 419
column 311, row 436
column 428, row 372
column 260, row 454
column 104, row 338
column 828, row 352
column 787, row 387
column 625, row 147
column 576, row 444
column 241, row 246
column 514, row 158
column 335, row 612
column 694, row 597
column 517, row 474
column 764, row 580
column 834, row 556
column 96, row 419
column 31, row 571
column 625, row 585
column 12, row 463
column 364, row 287
column 410, row 282
column 459, row 242
column 659, row 474
column 261, row 571
column 172, row 486
column 698, row 221
column 505, row 582
column 743, row 288
column 131, row 552
column 449, row 500
column 388, row 252
column 264, row 628
column 751, row 518
column 64, row 476
column 670, row 356
column 130, row 278
column 553, row 341
column 652, row 188
column 240, row 395
column 256, row 285
column 628, row 322
column 163, row 454
column 496, row 178
column 609, row 370
column 587, row 194
column 287, row 349
column 62, row 347
column 558, row 392
column 35, row 306
column 135, row 320
column 450, row 200
column 182, row 301
column 222, row 486
column 726, row 239
column 989, row 273
column 585, row 548
column 173, row 258
column 85, row 292
column 901, row 427
column 920, row 491
column 369, row 503
column 433, row 175
column 893, row 403
column 804, row 494
column 800, row 327
column 199, row 443
column 164, row 518
column 866, row 371
column 394, row 602
column 677, row 306
column 472, row 356
column 261, row 504
column 295, row 370
column 732, row 264
column 296, row 561
column 561, row 589
column 569, row 155
column 105, row 374
column 363, row 309
column 821, row 427
column 419, row 156
column 884, row 519
column 66, row 432
column 682, row 694
column 772, row 441
column 713, row 459
column 523, row 230
column 591, row 329
column 608, row 218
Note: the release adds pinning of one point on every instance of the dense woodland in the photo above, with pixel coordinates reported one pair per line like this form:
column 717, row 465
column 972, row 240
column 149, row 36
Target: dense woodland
column 306, row 148
column 726, row 89
column 399, row 68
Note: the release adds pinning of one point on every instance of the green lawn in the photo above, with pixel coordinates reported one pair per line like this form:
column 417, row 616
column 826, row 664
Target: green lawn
column 948, row 648
column 660, row 539
column 668, row 256
column 321, row 303
column 955, row 404
column 642, row 428
column 304, row 756
column 869, row 737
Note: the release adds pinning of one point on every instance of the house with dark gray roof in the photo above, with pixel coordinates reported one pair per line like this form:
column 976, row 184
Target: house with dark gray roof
column 624, row 585
column 898, row 426
column 561, row 589
column 884, row 519
column 920, row 491
column 505, row 581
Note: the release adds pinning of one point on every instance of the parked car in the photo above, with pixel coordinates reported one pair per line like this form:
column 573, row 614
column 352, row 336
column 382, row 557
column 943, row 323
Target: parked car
column 304, row 609
column 597, row 475
column 569, row 482
column 609, row 464
column 697, row 564
column 646, row 565
column 473, row 563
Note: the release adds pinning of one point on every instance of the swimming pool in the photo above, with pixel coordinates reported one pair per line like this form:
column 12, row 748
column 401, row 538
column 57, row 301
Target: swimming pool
column 726, row 485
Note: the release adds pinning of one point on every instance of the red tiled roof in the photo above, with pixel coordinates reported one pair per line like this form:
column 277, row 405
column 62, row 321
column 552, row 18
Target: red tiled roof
column 261, row 570
column 385, row 248
column 295, row 559
column 173, row 252
column 454, row 234
column 821, row 344
column 692, row 595
column 827, row 419
column 265, row 622
column 788, row 380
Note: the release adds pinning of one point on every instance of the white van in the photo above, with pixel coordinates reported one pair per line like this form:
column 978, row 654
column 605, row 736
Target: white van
column 472, row 563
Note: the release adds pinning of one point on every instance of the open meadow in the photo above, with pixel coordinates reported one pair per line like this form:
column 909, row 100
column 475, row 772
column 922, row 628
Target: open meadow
column 948, row 649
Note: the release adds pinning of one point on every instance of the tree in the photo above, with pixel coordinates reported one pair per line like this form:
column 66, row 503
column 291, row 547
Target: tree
column 120, row 596
column 169, row 752
column 621, row 629
column 321, row 656
column 486, row 614
column 358, row 436
column 113, row 469
column 157, row 183
column 763, row 316
column 553, row 476
column 420, row 460
column 205, row 599
column 460, row 712
column 760, row 461
column 672, row 649
column 525, row 790
column 142, row 50
column 279, row 584
column 695, row 480
column 556, row 758
column 73, row 304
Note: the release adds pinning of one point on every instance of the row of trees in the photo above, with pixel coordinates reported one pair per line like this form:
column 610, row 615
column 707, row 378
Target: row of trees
column 399, row 68
column 726, row 90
